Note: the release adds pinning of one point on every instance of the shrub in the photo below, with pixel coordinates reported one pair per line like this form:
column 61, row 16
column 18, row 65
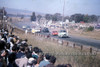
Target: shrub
column 90, row 28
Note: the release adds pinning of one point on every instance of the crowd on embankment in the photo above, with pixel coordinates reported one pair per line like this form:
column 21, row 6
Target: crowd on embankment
column 15, row 52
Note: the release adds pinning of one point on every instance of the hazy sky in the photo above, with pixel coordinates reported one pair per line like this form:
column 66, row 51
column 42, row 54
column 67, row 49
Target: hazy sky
column 55, row 6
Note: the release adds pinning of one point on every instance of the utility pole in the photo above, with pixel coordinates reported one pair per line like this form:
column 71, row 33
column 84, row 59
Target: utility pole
column 63, row 13
column 63, row 10
column 63, row 18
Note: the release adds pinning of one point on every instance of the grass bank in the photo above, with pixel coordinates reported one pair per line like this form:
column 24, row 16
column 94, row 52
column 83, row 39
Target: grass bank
column 87, row 34
column 63, row 54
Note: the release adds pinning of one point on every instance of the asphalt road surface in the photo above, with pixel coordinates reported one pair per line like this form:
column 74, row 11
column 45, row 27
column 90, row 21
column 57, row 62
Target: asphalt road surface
column 80, row 40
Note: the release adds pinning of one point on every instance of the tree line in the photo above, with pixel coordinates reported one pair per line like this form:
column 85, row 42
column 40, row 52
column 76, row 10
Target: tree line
column 58, row 17
column 2, row 12
column 75, row 17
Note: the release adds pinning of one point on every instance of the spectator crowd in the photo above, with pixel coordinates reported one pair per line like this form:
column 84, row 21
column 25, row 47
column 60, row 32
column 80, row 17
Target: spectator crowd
column 15, row 52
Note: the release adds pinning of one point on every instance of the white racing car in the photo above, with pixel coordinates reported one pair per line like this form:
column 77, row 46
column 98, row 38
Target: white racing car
column 62, row 33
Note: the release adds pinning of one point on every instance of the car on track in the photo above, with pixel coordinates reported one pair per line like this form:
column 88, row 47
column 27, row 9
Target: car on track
column 24, row 27
column 54, row 33
column 36, row 30
column 62, row 34
column 45, row 30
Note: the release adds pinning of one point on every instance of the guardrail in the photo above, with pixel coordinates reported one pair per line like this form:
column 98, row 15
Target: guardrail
column 68, row 43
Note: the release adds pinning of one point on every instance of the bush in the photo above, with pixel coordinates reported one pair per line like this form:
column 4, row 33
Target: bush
column 90, row 28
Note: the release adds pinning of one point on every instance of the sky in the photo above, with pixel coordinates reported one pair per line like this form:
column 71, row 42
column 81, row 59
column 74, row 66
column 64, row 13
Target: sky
column 55, row 6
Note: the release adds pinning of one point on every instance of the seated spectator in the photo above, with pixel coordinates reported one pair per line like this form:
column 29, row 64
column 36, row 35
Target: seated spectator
column 30, row 47
column 24, row 43
column 31, row 62
column 21, row 52
column 5, row 55
column 52, row 62
column 40, row 58
column 69, row 65
column 22, row 62
column 61, row 65
column 11, row 44
column 1, row 63
column 8, row 47
column 14, row 49
column 2, row 45
column 64, row 65
column 11, row 59
column 35, row 52
column 18, row 42
column 9, row 38
column 4, row 37
column 28, row 53
column 0, row 36
column 45, row 61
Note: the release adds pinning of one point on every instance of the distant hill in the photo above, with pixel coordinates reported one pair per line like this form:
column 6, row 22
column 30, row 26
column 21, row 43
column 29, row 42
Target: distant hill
column 21, row 12
column 18, row 11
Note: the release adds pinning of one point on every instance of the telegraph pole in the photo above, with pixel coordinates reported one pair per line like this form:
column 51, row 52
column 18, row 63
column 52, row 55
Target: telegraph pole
column 63, row 13
column 63, row 17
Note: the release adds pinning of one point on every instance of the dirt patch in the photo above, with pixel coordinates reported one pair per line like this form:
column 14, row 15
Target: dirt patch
column 91, row 34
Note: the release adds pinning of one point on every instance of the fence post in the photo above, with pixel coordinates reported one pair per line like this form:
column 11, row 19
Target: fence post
column 67, row 43
column 60, row 42
column 81, row 47
column 74, row 45
column 90, row 49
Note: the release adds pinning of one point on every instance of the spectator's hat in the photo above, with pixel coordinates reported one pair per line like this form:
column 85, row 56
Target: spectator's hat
column 30, row 61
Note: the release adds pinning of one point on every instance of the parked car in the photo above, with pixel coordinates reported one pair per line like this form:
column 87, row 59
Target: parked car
column 54, row 33
column 62, row 33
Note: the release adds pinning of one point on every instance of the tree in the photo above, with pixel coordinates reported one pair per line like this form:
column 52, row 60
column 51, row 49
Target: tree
column 22, row 16
column 48, row 17
column 1, row 13
column 77, row 17
column 3, row 17
column 98, row 20
column 39, row 17
column 93, row 18
column 86, row 18
column 33, row 17
column 66, row 17
column 57, row 17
